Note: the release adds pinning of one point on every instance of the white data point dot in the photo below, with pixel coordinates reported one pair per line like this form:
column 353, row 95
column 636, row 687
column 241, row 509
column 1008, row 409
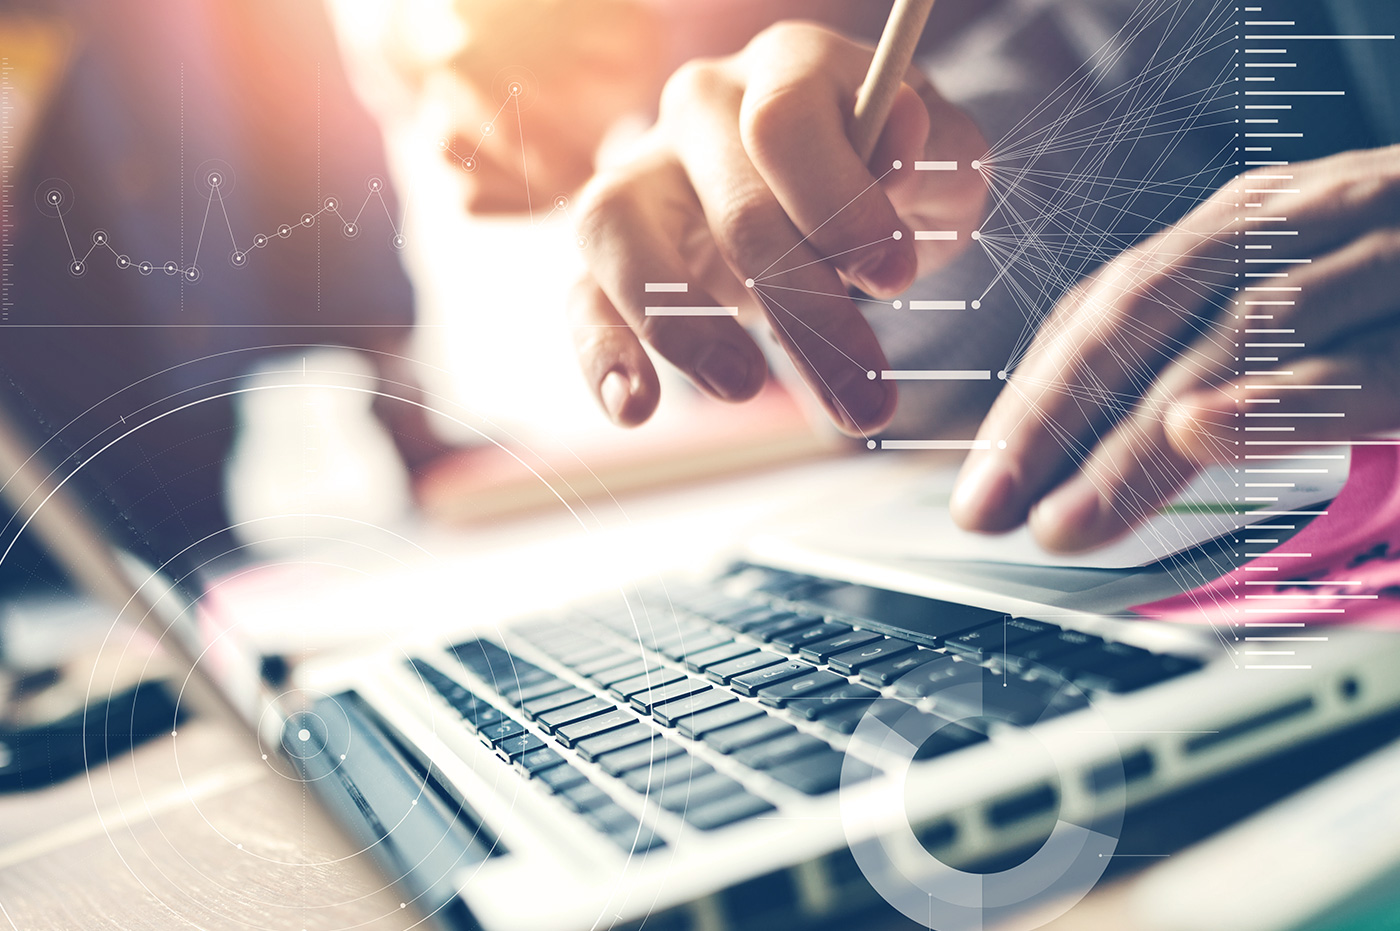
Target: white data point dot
column 1002, row 374
column 303, row 734
column 264, row 756
column 870, row 375
column 898, row 235
column 898, row 305
column 1001, row 444
column 976, row 305
column 869, row 444
column 173, row 733
column 748, row 282
column 976, row 235
column 976, row 165
column 898, row 164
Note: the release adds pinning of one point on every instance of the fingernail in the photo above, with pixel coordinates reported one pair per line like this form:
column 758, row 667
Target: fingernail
column 615, row 390
column 982, row 495
column 887, row 272
column 724, row 371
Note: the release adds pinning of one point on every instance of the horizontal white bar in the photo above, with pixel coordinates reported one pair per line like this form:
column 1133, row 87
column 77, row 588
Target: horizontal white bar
column 935, row 444
column 936, row 375
column 692, row 311
column 938, row 235
column 935, row 166
column 666, row 287
column 938, row 305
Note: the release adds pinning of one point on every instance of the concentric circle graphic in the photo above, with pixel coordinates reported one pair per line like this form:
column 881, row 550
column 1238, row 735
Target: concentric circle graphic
column 942, row 897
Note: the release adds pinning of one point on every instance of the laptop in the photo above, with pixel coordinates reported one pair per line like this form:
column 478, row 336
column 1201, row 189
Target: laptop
column 794, row 736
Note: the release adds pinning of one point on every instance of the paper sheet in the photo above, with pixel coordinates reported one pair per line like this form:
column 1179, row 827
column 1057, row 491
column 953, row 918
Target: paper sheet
column 1342, row 567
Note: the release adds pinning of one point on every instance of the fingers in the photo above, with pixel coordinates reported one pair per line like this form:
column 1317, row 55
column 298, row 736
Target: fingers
column 1134, row 470
column 1093, row 357
column 614, row 363
column 630, row 244
column 793, row 130
column 1146, row 460
column 811, row 316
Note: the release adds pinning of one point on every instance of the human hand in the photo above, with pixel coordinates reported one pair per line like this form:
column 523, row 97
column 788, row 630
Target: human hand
column 1136, row 380
column 749, row 176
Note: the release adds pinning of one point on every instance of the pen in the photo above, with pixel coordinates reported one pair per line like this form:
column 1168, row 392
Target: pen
column 887, row 69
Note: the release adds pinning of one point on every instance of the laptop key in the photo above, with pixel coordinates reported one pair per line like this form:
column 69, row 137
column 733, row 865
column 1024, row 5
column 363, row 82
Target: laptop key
column 726, row 672
column 645, row 701
column 928, row 678
column 482, row 715
column 946, row 739
column 845, row 700
column 680, row 768
column 736, row 737
column 683, row 647
column 534, row 707
column 819, row 773
column 821, row 650
column 817, row 680
column 726, row 811
column 671, row 713
column 701, row 660
column 629, row 670
column 516, row 747
column 638, row 756
column 698, row 725
column 748, row 618
column 795, row 640
column 712, row 786
column 1021, row 702
column 1051, row 650
column 560, row 778
column 980, row 644
column 853, row 661
column 780, row 750
column 591, row 748
column 570, row 734
column 568, row 714
column 549, row 686
column 645, row 682
column 493, row 734
column 786, row 624
column 536, row 761
column 611, row 818
column 584, row 796
column 611, row 661
column 887, row 671
column 750, row 683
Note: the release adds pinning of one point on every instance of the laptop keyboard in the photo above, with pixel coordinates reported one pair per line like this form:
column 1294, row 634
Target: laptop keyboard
column 773, row 671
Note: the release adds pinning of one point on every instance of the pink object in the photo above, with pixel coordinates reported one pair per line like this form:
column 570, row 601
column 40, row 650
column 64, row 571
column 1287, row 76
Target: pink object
column 1354, row 549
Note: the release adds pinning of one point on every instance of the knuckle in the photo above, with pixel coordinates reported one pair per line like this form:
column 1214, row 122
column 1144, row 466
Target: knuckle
column 769, row 118
column 604, row 203
column 745, row 228
column 697, row 79
column 781, row 36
